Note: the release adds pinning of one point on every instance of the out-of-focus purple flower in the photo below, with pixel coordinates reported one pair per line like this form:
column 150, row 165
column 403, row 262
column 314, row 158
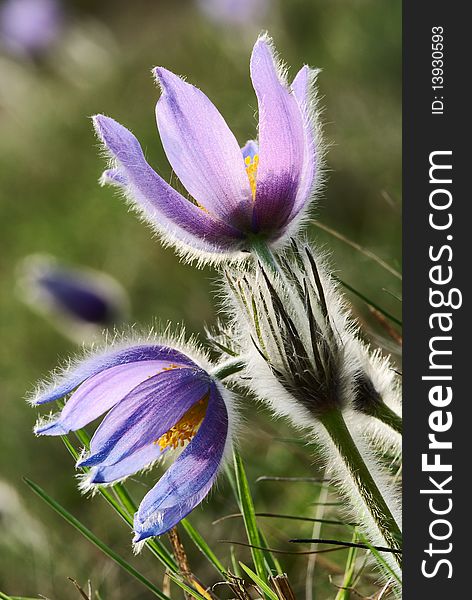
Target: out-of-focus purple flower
column 158, row 399
column 259, row 191
column 234, row 12
column 30, row 27
column 80, row 301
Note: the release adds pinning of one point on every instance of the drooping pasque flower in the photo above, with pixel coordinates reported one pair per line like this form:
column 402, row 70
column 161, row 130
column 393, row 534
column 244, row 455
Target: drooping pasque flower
column 30, row 27
column 80, row 302
column 157, row 399
column 260, row 191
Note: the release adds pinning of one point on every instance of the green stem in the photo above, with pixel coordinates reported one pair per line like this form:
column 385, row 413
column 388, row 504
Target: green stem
column 264, row 254
column 365, row 484
column 235, row 365
column 384, row 413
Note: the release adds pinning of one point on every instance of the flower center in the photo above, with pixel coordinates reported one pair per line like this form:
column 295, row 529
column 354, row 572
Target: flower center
column 185, row 429
column 251, row 170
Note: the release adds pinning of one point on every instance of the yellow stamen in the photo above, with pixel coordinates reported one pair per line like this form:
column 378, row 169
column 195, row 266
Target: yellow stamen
column 171, row 367
column 184, row 430
column 251, row 170
column 201, row 207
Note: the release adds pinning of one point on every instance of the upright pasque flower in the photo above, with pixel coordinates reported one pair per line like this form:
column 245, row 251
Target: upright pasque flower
column 81, row 302
column 30, row 27
column 157, row 399
column 238, row 195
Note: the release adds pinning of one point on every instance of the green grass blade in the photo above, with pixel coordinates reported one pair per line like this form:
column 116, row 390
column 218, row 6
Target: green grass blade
column 125, row 498
column 369, row 302
column 234, row 563
column 4, row 596
column 365, row 251
column 94, row 539
column 249, row 517
column 344, row 592
column 273, row 564
column 380, row 559
column 128, row 508
column 261, row 584
column 202, row 545
column 156, row 547
column 189, row 590
column 232, row 481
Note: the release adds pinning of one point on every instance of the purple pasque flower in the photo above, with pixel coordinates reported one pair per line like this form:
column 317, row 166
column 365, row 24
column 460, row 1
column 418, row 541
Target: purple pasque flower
column 30, row 27
column 233, row 12
column 259, row 191
column 157, row 399
column 81, row 302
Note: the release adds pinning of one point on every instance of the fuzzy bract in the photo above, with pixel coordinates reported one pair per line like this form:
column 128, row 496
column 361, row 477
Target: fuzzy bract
column 294, row 330
column 261, row 190
column 303, row 349
column 157, row 399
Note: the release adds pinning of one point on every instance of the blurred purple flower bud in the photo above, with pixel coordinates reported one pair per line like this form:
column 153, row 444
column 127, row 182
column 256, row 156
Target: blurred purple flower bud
column 30, row 27
column 234, row 12
column 81, row 301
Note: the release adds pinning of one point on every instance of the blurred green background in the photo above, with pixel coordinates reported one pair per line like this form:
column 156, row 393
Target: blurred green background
column 51, row 202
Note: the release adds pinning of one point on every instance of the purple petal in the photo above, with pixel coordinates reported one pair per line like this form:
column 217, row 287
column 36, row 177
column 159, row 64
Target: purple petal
column 89, row 367
column 163, row 206
column 302, row 87
column 281, row 142
column 132, row 464
column 100, row 393
column 202, row 150
column 114, row 177
column 190, row 478
column 145, row 414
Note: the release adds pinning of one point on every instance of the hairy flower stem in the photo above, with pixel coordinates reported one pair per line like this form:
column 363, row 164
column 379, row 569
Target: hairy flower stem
column 264, row 254
column 389, row 417
column 369, row 402
column 363, row 480
column 230, row 367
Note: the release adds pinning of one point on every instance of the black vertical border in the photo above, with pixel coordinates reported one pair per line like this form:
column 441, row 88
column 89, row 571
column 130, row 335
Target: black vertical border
column 422, row 134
